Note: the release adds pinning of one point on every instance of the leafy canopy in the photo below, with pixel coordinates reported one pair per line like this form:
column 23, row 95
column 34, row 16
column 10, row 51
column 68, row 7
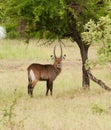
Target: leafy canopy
column 51, row 19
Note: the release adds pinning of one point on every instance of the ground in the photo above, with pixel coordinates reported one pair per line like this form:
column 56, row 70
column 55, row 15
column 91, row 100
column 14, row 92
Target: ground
column 70, row 107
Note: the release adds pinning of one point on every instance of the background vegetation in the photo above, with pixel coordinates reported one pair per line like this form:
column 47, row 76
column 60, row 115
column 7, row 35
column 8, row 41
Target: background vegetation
column 84, row 27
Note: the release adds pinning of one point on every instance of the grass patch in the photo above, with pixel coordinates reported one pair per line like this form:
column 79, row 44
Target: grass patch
column 70, row 107
column 19, row 50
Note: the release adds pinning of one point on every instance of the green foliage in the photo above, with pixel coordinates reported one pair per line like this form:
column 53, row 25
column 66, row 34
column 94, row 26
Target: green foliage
column 1, row 16
column 8, row 116
column 98, row 109
column 8, row 112
column 11, row 31
column 105, row 52
column 99, row 32
column 41, row 16
column 1, row 13
column 51, row 19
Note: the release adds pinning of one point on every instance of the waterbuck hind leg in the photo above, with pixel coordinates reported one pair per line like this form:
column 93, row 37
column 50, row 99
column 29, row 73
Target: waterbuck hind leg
column 30, row 90
column 31, row 87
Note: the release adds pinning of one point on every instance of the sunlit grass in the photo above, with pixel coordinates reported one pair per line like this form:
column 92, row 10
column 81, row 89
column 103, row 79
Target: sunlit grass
column 20, row 50
column 70, row 107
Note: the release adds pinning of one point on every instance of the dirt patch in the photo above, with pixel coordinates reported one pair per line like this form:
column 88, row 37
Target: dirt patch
column 20, row 65
column 10, row 65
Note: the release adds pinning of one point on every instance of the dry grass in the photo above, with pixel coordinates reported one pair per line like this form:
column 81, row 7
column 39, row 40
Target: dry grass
column 70, row 108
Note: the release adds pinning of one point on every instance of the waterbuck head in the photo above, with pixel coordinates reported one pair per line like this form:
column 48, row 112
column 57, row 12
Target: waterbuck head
column 58, row 60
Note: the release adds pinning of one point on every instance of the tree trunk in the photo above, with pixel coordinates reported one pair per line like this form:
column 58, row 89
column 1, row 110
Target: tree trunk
column 76, row 36
column 84, row 55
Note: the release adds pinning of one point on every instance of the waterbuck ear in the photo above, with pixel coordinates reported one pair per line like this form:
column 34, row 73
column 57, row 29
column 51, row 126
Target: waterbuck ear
column 52, row 57
column 64, row 57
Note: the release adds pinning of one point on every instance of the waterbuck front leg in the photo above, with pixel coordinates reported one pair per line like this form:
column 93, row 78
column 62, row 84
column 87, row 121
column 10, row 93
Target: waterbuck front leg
column 49, row 87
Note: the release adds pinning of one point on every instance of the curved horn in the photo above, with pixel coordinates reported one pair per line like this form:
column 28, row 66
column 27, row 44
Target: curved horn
column 54, row 51
column 61, row 50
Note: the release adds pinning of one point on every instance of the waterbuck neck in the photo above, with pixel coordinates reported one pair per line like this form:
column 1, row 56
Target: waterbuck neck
column 57, row 69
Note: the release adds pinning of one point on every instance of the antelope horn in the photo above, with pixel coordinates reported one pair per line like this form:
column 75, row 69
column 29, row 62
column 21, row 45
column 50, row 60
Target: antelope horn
column 61, row 50
column 54, row 51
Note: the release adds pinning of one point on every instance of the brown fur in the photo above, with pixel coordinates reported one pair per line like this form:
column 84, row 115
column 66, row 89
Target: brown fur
column 47, row 72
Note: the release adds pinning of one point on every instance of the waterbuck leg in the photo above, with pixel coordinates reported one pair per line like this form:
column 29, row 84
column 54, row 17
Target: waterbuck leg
column 51, row 88
column 30, row 89
column 48, row 87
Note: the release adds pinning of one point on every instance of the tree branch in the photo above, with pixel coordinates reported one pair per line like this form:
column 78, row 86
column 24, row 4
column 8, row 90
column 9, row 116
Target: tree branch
column 98, row 81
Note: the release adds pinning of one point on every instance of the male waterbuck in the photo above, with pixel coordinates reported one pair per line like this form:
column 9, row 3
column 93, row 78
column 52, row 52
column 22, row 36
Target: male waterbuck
column 47, row 72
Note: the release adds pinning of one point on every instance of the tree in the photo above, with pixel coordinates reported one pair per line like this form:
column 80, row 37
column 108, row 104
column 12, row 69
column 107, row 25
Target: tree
column 57, row 19
column 99, row 32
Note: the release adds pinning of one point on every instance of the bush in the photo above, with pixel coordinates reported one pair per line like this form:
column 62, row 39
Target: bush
column 97, row 108
column 12, row 31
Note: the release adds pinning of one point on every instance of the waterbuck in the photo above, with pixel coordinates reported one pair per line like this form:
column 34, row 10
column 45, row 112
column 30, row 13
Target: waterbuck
column 47, row 72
